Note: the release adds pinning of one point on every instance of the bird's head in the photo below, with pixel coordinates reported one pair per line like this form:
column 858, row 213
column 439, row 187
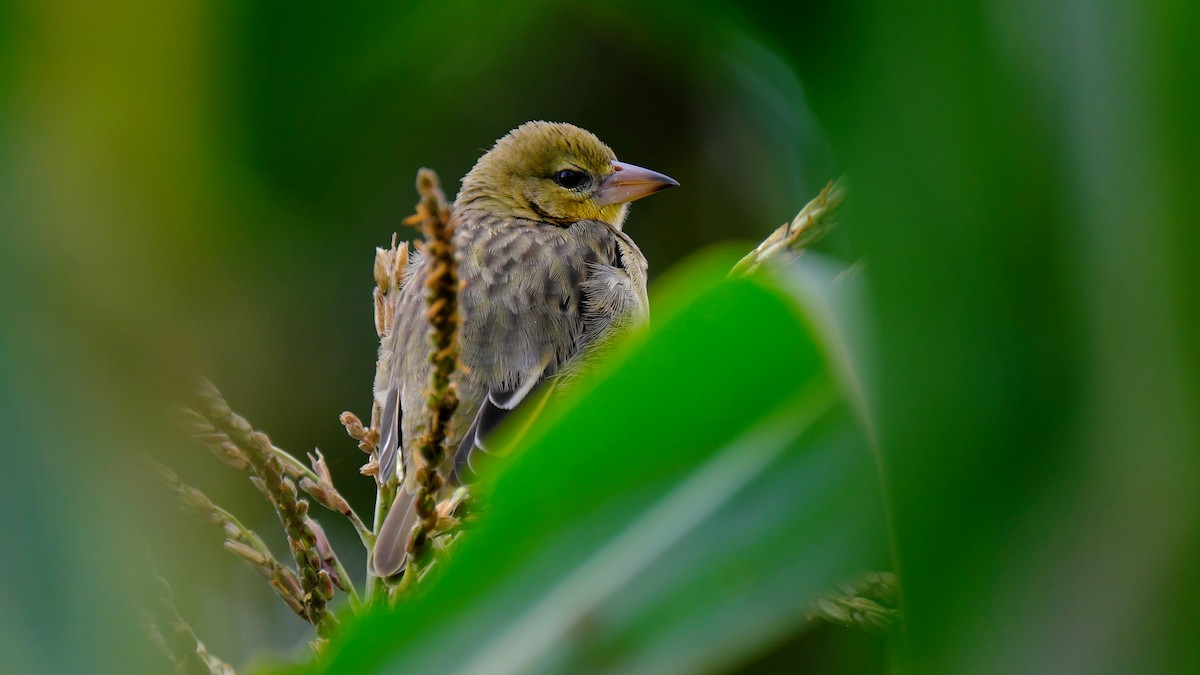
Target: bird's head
column 557, row 173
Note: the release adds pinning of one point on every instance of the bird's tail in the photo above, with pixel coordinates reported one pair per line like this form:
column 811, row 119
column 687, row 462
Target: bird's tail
column 390, row 553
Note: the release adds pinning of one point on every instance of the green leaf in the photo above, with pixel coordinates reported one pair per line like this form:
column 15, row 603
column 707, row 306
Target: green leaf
column 679, row 512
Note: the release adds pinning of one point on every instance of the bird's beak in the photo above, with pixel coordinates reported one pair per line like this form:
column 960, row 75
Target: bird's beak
column 630, row 182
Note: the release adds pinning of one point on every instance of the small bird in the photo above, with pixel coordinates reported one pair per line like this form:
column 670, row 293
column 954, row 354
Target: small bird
column 548, row 274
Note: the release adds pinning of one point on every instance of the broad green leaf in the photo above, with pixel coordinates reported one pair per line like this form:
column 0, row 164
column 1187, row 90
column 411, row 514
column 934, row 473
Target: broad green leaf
column 677, row 513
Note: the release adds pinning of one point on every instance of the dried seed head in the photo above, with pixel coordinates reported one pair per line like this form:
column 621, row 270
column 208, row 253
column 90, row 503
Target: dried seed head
column 384, row 263
column 288, row 488
column 370, row 440
column 319, row 466
column 327, row 495
column 371, row 468
column 399, row 262
column 289, row 589
column 324, row 587
column 196, row 500
column 262, row 440
column 232, row 458
column 313, row 488
column 338, row 503
column 250, row 555
column 289, row 581
column 382, row 316
column 427, row 181
column 354, row 426
column 832, row 611
column 324, row 550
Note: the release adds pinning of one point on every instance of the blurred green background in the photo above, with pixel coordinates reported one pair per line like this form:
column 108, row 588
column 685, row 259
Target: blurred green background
column 196, row 188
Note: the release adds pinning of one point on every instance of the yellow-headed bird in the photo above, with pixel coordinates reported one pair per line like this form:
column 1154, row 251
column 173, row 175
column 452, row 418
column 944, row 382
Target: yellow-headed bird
column 547, row 273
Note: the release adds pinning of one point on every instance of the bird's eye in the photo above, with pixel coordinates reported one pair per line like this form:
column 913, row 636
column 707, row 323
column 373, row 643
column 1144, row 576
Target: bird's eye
column 570, row 179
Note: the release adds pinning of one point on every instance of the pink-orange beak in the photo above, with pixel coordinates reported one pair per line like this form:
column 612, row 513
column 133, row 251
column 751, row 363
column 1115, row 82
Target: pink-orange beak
column 629, row 182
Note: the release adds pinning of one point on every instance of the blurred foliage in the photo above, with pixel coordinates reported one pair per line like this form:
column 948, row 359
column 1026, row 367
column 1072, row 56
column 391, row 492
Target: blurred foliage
column 197, row 187
column 654, row 523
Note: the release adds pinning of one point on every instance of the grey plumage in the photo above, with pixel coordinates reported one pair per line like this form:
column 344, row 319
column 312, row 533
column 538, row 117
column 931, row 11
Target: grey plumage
column 542, row 284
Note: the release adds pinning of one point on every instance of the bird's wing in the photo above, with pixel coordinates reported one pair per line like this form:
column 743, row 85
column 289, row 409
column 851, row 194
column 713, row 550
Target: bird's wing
column 407, row 326
column 390, row 554
column 494, row 409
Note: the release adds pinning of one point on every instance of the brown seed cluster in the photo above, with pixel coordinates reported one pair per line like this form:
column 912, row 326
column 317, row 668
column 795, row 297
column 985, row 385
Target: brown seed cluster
column 441, row 297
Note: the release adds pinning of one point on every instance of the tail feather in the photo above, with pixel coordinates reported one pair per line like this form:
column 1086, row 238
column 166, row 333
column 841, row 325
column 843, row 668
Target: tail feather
column 389, row 438
column 390, row 556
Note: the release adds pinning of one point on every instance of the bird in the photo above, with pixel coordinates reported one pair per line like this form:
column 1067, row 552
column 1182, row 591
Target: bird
column 548, row 276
